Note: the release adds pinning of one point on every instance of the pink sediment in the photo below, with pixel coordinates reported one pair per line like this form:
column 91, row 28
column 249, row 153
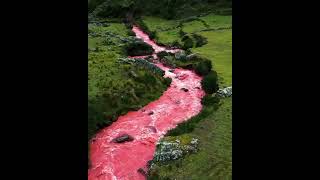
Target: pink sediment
column 120, row 161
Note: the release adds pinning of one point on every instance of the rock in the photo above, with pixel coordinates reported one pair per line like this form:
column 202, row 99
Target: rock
column 133, row 74
column 150, row 113
column 226, row 92
column 193, row 56
column 180, row 55
column 143, row 172
column 184, row 89
column 123, row 138
column 174, row 149
column 197, row 87
column 182, row 77
column 152, row 128
column 171, row 70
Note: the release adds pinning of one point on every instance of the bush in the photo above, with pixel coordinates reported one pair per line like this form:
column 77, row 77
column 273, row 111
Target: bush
column 167, row 81
column 200, row 40
column 210, row 82
column 187, row 43
column 203, row 67
column 138, row 48
column 210, row 100
column 162, row 54
column 131, row 33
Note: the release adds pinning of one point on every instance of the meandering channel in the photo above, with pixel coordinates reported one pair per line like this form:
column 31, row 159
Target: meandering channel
column 121, row 161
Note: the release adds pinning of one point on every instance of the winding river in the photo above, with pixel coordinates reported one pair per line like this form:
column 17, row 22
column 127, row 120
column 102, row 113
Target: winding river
column 121, row 161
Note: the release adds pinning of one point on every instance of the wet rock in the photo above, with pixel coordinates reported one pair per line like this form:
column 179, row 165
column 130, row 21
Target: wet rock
column 171, row 70
column 152, row 128
column 182, row 77
column 150, row 113
column 123, row 138
column 184, row 89
column 143, row 172
column 197, row 87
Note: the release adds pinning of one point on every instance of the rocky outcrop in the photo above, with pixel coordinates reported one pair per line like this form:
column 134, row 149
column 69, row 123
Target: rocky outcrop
column 172, row 150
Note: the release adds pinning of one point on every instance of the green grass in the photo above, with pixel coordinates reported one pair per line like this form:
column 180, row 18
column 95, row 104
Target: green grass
column 214, row 159
column 159, row 24
column 216, row 21
column 219, row 51
column 213, row 127
column 168, row 37
column 112, row 90
column 193, row 26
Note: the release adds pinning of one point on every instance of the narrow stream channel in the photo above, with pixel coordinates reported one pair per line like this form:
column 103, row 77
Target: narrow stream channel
column 120, row 161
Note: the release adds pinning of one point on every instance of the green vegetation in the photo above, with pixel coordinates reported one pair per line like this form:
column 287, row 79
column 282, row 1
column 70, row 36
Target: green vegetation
column 168, row 9
column 213, row 125
column 114, row 88
column 203, row 27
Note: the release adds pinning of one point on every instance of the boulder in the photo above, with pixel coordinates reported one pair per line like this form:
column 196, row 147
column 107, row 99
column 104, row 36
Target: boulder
column 171, row 70
column 174, row 149
column 184, row 89
column 122, row 138
column 226, row 92
column 150, row 113
column 152, row 128
column 143, row 172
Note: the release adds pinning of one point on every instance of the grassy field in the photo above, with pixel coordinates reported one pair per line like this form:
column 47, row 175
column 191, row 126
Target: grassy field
column 214, row 127
column 114, row 89
column 219, row 50
column 214, row 159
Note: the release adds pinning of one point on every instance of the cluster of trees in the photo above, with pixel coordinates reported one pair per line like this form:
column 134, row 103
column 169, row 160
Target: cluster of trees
column 164, row 8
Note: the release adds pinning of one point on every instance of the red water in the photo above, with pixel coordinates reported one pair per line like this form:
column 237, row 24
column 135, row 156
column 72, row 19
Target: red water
column 112, row 161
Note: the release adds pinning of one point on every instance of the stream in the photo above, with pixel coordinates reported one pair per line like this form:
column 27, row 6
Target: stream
column 121, row 161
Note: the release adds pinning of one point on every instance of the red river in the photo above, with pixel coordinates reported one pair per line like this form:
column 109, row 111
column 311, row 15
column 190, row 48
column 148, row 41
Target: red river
column 120, row 161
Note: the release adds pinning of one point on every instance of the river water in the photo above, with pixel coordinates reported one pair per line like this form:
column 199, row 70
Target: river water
column 120, row 161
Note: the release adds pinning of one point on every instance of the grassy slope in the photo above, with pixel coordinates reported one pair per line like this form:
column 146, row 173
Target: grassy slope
column 112, row 91
column 214, row 159
column 214, row 131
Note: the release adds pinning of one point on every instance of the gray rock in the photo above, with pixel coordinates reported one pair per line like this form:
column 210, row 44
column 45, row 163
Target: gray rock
column 180, row 55
column 167, row 151
column 122, row 138
column 226, row 92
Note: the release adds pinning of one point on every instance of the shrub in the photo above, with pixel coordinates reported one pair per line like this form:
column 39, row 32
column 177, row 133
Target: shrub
column 210, row 100
column 167, row 81
column 203, row 67
column 131, row 33
column 138, row 48
column 200, row 40
column 210, row 82
column 162, row 54
column 187, row 43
